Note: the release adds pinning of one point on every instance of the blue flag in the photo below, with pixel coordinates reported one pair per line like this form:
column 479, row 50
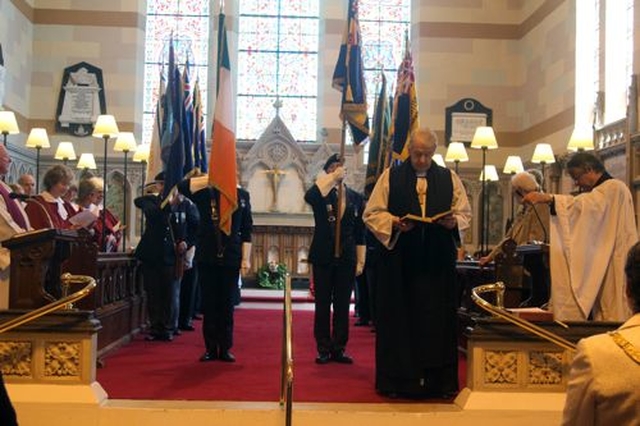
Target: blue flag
column 171, row 142
column 199, row 137
column 188, row 117
column 348, row 77
column 379, row 144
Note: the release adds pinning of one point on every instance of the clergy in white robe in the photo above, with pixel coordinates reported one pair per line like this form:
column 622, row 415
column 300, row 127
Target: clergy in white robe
column 591, row 234
column 416, row 291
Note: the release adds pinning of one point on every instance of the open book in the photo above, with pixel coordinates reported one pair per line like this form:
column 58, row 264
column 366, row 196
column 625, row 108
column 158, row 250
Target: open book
column 428, row 219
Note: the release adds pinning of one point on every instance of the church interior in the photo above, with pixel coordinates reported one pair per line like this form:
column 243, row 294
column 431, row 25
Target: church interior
column 546, row 75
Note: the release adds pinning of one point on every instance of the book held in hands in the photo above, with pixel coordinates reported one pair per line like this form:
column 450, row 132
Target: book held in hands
column 426, row 219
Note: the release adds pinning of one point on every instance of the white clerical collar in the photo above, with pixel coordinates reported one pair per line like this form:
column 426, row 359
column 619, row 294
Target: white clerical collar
column 46, row 195
column 62, row 212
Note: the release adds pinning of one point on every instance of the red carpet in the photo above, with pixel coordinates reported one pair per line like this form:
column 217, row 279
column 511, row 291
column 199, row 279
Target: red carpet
column 171, row 370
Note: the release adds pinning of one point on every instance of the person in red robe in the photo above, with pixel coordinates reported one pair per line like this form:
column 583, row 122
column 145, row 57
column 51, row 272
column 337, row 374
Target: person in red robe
column 48, row 209
column 90, row 197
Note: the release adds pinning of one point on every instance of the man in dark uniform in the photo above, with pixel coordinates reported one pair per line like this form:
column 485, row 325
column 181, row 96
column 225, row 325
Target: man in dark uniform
column 334, row 276
column 416, row 298
column 219, row 259
column 170, row 232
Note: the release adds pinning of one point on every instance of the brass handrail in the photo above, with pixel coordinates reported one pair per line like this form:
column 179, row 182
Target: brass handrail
column 286, row 388
column 63, row 303
column 499, row 311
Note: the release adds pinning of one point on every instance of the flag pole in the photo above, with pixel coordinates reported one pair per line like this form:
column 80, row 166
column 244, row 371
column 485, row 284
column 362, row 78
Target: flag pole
column 336, row 251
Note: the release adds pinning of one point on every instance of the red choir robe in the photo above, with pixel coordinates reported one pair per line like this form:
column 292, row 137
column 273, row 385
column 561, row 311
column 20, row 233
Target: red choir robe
column 113, row 233
column 44, row 212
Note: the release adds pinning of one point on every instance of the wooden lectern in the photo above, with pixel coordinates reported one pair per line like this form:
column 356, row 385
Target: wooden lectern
column 38, row 258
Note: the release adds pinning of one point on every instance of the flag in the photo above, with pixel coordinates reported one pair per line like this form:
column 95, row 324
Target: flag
column 199, row 136
column 348, row 77
column 379, row 143
column 222, row 162
column 405, row 106
column 171, row 142
column 154, row 163
column 188, row 117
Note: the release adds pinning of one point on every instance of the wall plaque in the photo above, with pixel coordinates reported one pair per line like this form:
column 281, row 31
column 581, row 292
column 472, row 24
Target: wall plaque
column 81, row 99
column 463, row 117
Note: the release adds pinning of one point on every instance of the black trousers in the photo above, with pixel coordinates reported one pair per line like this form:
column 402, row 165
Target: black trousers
column 163, row 298
column 333, row 287
column 218, row 284
column 188, row 287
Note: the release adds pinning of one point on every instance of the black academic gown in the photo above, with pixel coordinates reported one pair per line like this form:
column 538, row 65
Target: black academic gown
column 416, row 300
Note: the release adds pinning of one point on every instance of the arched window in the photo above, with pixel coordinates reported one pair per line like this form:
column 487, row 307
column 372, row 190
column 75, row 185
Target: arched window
column 383, row 24
column 587, row 53
column 277, row 66
column 603, row 61
column 188, row 22
column 618, row 57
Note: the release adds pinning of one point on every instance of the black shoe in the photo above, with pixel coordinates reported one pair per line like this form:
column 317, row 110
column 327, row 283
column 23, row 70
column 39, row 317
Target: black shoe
column 361, row 322
column 159, row 338
column 188, row 327
column 323, row 358
column 197, row 317
column 341, row 358
column 208, row 356
column 177, row 332
column 227, row 356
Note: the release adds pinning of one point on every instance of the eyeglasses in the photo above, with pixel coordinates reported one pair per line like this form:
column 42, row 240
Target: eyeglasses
column 576, row 174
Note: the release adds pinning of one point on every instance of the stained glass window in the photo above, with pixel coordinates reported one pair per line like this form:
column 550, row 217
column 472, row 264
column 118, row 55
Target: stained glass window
column 277, row 61
column 188, row 22
column 383, row 24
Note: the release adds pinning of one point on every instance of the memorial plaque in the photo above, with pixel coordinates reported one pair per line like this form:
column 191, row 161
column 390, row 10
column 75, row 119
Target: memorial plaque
column 462, row 118
column 81, row 99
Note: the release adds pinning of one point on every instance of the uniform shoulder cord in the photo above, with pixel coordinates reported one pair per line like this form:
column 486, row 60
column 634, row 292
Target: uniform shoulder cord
column 626, row 346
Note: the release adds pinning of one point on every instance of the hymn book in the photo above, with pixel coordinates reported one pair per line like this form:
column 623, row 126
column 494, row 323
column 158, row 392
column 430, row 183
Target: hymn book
column 426, row 219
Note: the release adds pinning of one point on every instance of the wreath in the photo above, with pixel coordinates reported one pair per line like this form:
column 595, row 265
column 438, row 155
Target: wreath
column 272, row 275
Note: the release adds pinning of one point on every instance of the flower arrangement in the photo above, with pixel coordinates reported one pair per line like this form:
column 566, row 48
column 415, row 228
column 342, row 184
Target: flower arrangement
column 272, row 275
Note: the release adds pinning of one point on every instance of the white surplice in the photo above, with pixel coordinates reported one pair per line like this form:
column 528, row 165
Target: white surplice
column 590, row 238
column 380, row 221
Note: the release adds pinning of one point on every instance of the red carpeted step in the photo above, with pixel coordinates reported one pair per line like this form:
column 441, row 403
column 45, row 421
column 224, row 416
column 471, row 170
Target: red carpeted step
column 172, row 371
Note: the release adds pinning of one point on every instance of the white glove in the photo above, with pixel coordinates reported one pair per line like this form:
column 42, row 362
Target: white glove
column 198, row 183
column 361, row 257
column 245, row 264
column 338, row 174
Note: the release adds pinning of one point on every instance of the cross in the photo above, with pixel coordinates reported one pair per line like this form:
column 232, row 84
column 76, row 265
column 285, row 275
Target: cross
column 275, row 174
